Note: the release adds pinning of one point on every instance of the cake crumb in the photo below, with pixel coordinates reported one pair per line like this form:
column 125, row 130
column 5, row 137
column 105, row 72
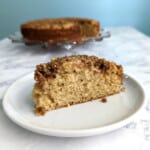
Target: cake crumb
column 40, row 111
column 104, row 100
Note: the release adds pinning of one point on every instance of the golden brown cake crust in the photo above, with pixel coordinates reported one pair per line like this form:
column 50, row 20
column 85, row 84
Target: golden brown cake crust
column 60, row 29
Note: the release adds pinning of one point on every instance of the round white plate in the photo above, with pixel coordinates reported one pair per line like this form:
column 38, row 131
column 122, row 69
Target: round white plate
column 86, row 119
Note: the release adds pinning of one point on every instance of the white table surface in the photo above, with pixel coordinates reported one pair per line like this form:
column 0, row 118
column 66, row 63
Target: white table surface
column 126, row 46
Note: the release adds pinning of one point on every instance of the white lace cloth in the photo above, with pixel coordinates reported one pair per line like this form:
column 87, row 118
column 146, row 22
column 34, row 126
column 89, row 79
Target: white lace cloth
column 126, row 46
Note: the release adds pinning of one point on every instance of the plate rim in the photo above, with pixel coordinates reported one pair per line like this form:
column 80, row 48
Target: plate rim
column 75, row 132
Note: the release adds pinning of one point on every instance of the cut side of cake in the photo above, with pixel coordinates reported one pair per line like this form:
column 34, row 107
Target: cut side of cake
column 60, row 29
column 74, row 79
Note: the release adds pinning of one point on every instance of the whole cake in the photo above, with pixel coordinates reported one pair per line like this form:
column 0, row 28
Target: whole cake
column 60, row 30
column 74, row 79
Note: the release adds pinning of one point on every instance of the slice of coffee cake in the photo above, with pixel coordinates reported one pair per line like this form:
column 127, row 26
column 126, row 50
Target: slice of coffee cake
column 74, row 79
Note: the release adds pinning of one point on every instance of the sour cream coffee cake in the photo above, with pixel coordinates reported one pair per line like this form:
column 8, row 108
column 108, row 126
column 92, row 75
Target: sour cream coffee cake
column 55, row 30
column 74, row 79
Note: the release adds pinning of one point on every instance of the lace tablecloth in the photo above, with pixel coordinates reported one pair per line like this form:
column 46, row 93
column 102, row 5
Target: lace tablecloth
column 126, row 46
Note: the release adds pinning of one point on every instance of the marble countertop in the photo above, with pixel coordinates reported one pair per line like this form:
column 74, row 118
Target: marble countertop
column 126, row 46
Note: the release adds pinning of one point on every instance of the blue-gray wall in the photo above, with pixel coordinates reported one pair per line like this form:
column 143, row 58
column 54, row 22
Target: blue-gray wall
column 134, row 13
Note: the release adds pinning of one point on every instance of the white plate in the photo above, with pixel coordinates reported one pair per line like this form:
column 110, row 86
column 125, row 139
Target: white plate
column 86, row 119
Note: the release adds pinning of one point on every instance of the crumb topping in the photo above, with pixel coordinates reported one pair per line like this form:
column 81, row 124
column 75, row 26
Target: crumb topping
column 50, row 69
column 104, row 100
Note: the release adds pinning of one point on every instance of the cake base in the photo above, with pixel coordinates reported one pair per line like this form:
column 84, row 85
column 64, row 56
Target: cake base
column 41, row 110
